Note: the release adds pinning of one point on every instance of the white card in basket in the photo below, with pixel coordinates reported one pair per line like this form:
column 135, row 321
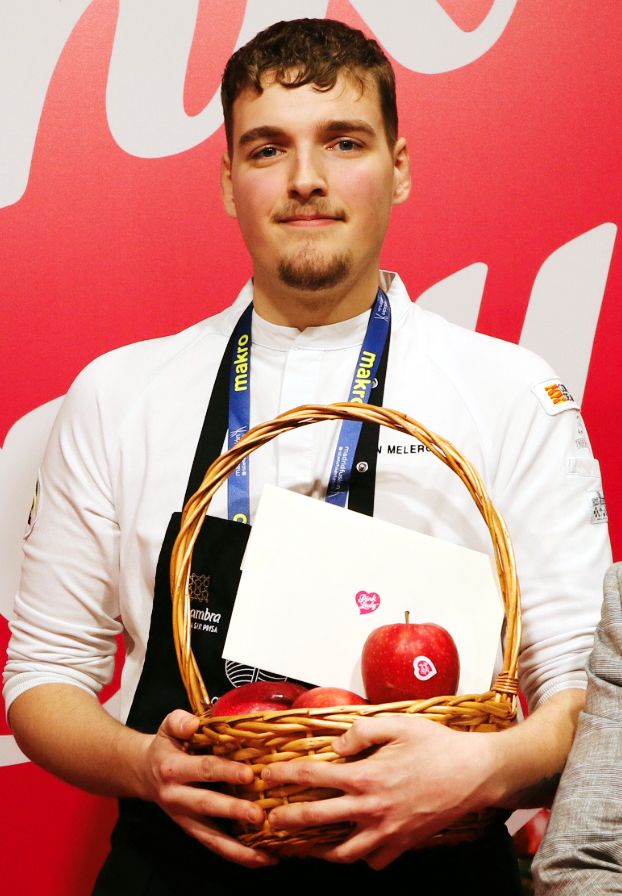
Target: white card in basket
column 317, row 579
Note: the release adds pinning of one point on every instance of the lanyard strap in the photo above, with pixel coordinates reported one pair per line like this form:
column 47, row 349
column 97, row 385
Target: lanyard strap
column 238, row 491
column 364, row 379
column 378, row 330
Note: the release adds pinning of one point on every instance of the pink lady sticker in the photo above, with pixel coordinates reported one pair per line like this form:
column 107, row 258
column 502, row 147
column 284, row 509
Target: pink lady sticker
column 367, row 601
column 424, row 668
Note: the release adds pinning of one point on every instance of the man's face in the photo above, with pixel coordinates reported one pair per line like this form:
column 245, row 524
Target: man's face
column 311, row 181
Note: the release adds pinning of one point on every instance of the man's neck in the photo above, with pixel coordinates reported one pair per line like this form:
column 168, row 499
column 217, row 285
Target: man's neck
column 289, row 307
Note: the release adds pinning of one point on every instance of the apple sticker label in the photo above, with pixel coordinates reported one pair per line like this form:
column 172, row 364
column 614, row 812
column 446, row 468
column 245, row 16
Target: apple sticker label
column 424, row 668
column 312, row 591
column 367, row 601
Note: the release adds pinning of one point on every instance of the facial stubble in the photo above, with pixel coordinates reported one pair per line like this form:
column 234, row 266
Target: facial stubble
column 311, row 271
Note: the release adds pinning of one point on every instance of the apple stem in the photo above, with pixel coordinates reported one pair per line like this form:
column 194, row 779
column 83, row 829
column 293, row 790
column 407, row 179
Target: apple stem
column 407, row 616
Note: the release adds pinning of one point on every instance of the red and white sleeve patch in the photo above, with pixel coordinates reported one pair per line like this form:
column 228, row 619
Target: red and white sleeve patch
column 554, row 397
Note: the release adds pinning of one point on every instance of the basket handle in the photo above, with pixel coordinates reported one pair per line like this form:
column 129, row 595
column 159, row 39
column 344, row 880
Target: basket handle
column 506, row 683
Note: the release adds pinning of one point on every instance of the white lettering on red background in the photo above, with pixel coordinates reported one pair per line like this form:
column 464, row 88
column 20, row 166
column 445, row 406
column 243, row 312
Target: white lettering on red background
column 564, row 304
column 152, row 43
column 433, row 42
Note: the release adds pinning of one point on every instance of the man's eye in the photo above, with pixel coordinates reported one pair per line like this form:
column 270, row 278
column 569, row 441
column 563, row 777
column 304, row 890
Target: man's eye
column 347, row 145
column 266, row 152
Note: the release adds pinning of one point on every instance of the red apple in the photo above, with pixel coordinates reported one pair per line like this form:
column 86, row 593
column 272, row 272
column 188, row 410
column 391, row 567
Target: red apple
column 409, row 661
column 258, row 696
column 328, row 697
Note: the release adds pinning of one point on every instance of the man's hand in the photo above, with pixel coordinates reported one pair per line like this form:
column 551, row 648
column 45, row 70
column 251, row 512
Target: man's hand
column 69, row 733
column 170, row 775
column 421, row 777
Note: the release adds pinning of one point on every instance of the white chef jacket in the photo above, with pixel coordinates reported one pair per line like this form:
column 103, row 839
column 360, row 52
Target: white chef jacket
column 121, row 450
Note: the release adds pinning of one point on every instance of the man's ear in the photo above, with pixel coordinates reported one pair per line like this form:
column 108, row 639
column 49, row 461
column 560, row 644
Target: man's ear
column 401, row 172
column 226, row 186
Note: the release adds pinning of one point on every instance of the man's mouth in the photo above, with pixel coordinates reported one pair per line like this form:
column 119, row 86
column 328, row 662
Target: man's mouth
column 316, row 218
column 309, row 220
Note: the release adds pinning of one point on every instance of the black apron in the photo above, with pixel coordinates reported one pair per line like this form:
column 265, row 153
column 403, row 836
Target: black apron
column 151, row 855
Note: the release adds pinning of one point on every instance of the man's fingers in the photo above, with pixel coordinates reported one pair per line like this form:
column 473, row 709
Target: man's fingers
column 367, row 844
column 217, row 841
column 356, row 847
column 174, row 772
column 203, row 803
column 382, row 857
column 176, row 765
column 367, row 733
column 179, row 724
column 179, row 767
column 307, row 772
column 307, row 814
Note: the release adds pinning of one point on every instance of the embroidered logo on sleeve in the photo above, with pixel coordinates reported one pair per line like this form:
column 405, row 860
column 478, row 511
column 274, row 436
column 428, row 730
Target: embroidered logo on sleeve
column 554, row 397
column 599, row 508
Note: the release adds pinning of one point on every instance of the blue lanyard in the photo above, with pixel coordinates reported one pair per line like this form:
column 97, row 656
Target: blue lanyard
column 238, row 500
column 378, row 330
column 238, row 492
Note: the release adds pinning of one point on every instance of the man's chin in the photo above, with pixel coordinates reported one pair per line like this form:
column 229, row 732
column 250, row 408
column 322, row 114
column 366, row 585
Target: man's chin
column 313, row 276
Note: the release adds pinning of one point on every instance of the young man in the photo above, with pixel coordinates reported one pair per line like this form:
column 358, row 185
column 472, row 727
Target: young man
column 312, row 170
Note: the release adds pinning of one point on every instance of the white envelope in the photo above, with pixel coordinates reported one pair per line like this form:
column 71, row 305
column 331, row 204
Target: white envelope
column 317, row 579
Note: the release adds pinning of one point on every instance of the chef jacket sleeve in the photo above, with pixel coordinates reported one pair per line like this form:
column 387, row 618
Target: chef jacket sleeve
column 549, row 490
column 66, row 610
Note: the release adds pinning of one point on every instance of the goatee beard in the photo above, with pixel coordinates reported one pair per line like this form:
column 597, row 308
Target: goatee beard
column 306, row 272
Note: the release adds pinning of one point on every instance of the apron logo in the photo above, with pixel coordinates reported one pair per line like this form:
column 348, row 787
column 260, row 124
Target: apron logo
column 203, row 620
column 210, row 620
column 239, row 674
column 198, row 588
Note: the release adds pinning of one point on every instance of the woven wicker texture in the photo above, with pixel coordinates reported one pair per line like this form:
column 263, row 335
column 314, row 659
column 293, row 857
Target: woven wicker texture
column 263, row 738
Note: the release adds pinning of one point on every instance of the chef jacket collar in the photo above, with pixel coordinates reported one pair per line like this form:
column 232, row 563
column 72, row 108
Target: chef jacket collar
column 344, row 334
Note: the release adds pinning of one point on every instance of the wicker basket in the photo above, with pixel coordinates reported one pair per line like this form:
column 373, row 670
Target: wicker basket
column 262, row 738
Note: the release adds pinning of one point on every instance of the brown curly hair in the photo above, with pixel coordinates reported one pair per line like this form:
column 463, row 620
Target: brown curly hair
column 309, row 51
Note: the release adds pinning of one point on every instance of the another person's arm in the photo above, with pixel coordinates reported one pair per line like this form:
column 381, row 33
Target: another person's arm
column 581, row 853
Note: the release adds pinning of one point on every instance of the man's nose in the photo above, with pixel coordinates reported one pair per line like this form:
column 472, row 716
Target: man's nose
column 307, row 176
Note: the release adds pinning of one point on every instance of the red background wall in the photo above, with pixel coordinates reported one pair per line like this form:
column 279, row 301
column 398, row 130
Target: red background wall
column 514, row 156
